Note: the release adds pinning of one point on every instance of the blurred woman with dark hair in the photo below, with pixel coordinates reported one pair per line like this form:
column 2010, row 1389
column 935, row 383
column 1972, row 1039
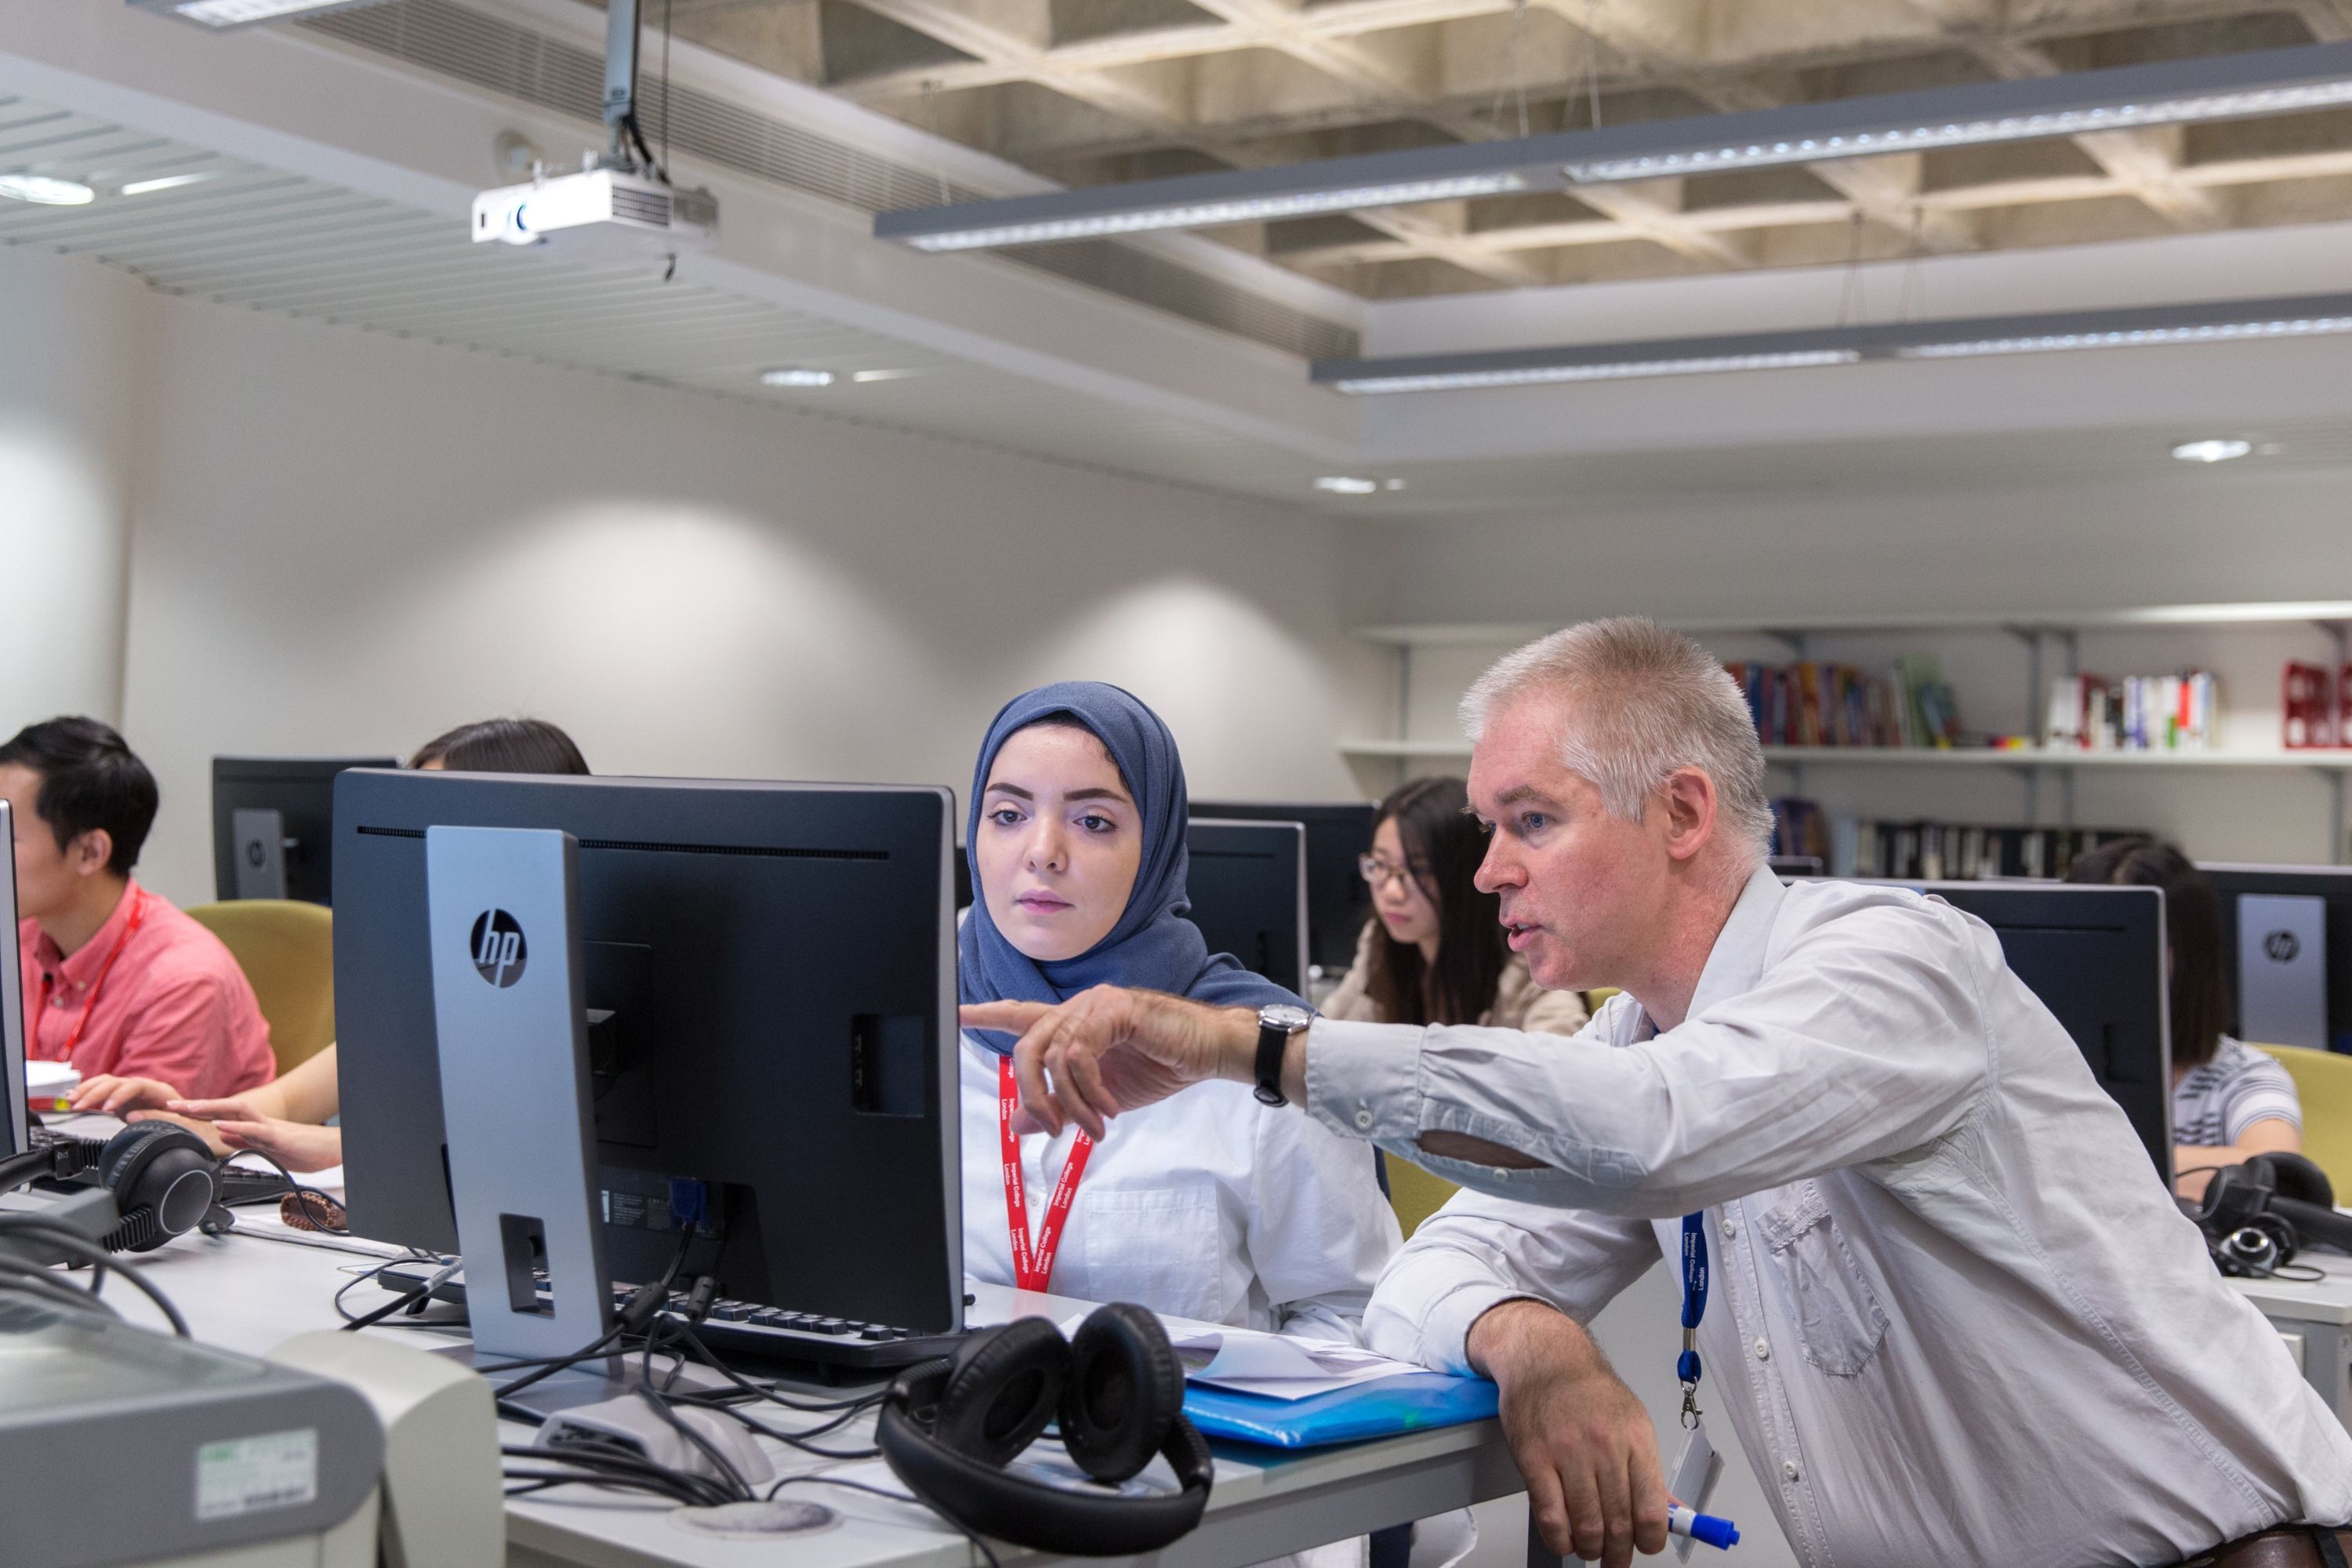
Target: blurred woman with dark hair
column 2230, row 1101
column 1433, row 952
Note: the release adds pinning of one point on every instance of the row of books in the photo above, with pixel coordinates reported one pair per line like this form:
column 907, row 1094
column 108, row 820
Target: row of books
column 1816, row 704
column 1929, row 851
column 2138, row 714
column 2314, row 706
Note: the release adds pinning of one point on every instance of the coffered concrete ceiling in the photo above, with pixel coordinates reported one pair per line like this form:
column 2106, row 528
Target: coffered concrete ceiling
column 1096, row 91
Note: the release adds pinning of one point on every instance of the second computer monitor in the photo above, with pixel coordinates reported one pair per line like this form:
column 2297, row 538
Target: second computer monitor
column 2286, row 945
column 1249, row 888
column 273, row 826
column 1338, row 903
column 2096, row 957
column 14, row 1124
column 770, row 985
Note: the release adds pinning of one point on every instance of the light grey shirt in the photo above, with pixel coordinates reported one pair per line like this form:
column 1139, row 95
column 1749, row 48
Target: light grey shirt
column 1955, row 1317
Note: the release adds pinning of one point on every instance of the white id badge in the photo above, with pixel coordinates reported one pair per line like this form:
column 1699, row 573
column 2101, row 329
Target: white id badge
column 1697, row 1470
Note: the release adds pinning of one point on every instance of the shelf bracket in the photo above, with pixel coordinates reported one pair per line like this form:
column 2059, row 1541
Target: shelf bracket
column 2336, row 633
column 2336, row 855
column 1796, row 642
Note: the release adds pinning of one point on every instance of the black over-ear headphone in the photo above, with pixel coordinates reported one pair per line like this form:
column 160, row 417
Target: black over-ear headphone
column 165, row 1183
column 949, row 1427
column 2256, row 1216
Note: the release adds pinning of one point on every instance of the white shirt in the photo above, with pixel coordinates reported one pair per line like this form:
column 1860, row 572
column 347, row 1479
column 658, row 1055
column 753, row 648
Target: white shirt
column 1954, row 1315
column 1206, row 1205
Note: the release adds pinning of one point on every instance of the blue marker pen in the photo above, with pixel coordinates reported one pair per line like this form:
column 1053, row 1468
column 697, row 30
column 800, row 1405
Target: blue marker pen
column 1703, row 1527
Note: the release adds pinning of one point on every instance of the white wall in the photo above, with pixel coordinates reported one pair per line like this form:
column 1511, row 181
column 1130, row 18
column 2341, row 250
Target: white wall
column 346, row 542
column 70, row 398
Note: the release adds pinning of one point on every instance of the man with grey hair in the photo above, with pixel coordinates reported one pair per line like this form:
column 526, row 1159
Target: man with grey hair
column 1956, row 1318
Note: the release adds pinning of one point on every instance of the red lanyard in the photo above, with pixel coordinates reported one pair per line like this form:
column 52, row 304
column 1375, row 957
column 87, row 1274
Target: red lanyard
column 1033, row 1273
column 48, row 981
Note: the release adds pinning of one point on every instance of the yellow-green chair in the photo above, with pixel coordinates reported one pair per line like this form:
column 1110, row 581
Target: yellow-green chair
column 287, row 949
column 1414, row 1194
column 2322, row 1081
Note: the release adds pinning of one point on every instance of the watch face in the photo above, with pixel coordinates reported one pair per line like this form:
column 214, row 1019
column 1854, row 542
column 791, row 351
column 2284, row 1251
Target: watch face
column 1284, row 1015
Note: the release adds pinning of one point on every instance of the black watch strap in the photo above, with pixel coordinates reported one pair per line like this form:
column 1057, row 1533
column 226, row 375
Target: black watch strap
column 1272, row 1041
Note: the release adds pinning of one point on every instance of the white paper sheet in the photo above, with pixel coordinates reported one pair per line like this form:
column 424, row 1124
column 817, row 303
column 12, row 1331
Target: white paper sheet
column 1274, row 1365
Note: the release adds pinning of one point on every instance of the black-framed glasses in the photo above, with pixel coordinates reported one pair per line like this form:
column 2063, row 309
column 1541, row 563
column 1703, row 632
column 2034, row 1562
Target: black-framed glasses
column 1380, row 872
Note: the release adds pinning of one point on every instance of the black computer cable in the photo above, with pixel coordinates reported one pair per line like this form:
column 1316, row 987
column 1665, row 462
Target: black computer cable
column 597, row 1461
column 74, row 1244
column 33, row 1280
column 750, row 1390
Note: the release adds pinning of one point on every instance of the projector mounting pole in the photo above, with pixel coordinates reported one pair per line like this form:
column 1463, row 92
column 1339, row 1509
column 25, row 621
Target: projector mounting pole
column 621, row 80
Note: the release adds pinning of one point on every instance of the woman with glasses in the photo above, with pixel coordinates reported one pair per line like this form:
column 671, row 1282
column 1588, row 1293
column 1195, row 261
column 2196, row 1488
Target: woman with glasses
column 1433, row 952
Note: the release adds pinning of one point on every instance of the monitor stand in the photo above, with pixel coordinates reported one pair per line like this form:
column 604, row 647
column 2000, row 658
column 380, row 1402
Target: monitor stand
column 508, row 1007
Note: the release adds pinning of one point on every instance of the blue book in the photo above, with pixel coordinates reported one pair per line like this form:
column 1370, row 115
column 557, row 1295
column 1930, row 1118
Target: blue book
column 1393, row 1404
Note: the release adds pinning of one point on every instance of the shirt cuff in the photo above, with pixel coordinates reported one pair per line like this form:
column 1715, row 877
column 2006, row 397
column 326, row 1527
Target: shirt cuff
column 1445, row 1332
column 1363, row 1081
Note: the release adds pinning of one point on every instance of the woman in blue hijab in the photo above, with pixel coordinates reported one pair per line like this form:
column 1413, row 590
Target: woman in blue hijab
column 1207, row 1205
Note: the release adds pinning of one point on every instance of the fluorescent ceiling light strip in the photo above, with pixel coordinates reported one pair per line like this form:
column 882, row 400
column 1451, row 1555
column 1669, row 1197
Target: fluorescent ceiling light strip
column 1968, row 133
column 163, row 183
column 2220, row 87
column 1623, row 369
column 2059, row 343
column 224, row 14
column 2206, row 321
column 1208, row 214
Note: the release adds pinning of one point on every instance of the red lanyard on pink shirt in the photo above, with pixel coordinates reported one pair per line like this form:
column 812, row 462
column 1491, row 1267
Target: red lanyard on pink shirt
column 1033, row 1273
column 48, row 981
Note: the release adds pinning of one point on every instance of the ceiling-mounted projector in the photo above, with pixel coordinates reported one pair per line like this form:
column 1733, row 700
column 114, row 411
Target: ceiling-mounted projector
column 621, row 206
column 599, row 215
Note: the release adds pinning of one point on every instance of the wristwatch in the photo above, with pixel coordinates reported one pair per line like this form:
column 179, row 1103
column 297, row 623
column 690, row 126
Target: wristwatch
column 1276, row 1023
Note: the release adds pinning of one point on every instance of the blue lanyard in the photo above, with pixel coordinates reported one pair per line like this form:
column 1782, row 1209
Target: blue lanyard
column 1687, row 1368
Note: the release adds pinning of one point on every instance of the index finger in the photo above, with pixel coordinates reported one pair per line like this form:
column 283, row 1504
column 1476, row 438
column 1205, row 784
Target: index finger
column 1005, row 1017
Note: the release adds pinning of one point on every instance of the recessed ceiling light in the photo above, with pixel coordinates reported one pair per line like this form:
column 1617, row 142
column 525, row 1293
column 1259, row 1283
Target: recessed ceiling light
column 1347, row 485
column 865, row 375
column 244, row 13
column 795, row 375
column 166, row 183
column 45, row 190
column 2213, row 449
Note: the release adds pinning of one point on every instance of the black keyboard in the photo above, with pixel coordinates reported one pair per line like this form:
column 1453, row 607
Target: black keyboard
column 743, row 1327
column 234, row 1185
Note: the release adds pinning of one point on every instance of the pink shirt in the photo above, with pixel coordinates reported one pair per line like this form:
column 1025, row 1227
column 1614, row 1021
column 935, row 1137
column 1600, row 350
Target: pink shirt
column 152, row 994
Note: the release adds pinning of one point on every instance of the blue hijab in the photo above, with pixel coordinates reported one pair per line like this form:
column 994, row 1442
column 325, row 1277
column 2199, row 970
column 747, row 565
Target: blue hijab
column 1153, row 947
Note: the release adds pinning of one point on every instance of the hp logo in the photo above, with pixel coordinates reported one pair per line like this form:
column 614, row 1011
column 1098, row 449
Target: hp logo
column 498, row 947
column 2280, row 946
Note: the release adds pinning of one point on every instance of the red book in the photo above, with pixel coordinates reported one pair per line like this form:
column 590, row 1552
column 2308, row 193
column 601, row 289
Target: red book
column 2306, row 706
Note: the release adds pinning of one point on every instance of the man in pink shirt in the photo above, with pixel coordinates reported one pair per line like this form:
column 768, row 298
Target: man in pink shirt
column 115, row 980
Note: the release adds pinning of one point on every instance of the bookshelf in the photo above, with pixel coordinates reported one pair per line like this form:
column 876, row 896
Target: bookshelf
column 2050, row 640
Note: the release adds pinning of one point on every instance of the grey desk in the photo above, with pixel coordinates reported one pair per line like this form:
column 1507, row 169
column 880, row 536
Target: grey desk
column 2316, row 1321
column 249, row 1294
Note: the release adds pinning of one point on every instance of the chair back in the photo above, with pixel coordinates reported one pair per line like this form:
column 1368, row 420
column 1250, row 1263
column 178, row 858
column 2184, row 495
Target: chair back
column 287, row 949
column 2322, row 1081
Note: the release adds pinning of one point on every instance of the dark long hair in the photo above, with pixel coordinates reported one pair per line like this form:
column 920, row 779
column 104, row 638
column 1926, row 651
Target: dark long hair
column 503, row 746
column 1443, row 847
column 2192, row 930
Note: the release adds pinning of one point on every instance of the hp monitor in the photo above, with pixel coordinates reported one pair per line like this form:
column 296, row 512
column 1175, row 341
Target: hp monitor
column 2096, row 957
column 1337, row 901
column 273, row 821
column 2286, row 945
column 768, row 977
column 1249, row 888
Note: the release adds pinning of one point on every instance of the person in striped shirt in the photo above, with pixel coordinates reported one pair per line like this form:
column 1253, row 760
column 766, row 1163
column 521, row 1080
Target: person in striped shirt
column 2230, row 1101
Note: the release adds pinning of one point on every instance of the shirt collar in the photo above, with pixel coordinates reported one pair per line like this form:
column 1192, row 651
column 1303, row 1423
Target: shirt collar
column 1736, row 963
column 81, row 969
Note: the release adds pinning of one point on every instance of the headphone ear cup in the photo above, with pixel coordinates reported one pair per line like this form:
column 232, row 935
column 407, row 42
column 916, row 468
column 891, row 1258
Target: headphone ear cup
column 1002, row 1390
column 164, row 1180
column 2297, row 1176
column 1125, row 1389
